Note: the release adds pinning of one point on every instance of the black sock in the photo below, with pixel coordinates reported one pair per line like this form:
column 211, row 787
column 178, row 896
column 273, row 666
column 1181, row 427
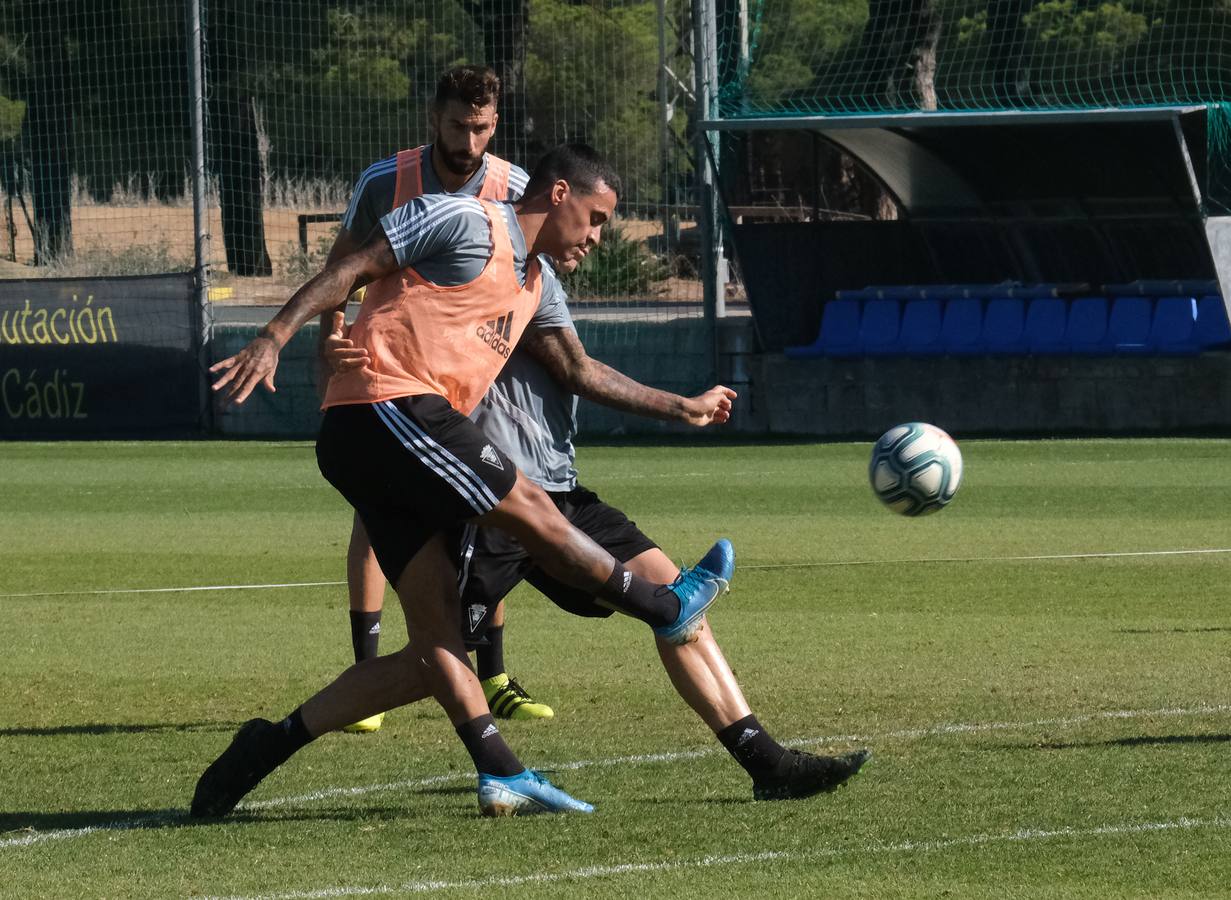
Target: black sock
column 487, row 748
column 291, row 736
column 652, row 603
column 489, row 659
column 364, row 633
column 753, row 748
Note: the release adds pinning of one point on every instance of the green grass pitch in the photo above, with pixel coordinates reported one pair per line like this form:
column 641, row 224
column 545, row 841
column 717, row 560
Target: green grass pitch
column 1046, row 692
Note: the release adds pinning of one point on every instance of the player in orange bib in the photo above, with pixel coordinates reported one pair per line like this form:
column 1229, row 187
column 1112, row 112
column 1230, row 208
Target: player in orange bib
column 464, row 115
column 456, row 281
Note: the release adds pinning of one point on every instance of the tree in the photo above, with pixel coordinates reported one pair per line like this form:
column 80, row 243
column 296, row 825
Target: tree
column 233, row 143
column 504, row 25
column 897, row 53
column 591, row 75
column 48, row 132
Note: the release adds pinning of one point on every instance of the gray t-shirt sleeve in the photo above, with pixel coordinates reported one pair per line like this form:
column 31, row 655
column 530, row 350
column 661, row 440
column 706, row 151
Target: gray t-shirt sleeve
column 440, row 225
column 371, row 198
column 553, row 301
column 518, row 179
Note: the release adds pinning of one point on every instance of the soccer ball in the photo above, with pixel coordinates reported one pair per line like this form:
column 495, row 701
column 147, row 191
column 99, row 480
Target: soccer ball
column 915, row 469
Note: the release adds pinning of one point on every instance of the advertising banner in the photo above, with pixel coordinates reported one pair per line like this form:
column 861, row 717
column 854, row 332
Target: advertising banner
column 99, row 358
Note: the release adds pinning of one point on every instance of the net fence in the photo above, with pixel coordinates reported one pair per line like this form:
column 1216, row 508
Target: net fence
column 300, row 96
column 800, row 57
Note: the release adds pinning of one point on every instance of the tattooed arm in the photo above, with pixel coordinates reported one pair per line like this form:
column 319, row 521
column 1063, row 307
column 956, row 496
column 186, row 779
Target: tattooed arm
column 256, row 364
column 561, row 353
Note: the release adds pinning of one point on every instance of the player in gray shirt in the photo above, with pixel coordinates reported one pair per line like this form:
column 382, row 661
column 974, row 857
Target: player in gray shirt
column 530, row 413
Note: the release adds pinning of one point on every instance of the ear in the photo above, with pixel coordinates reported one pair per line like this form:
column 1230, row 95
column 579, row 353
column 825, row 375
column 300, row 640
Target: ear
column 495, row 120
column 559, row 192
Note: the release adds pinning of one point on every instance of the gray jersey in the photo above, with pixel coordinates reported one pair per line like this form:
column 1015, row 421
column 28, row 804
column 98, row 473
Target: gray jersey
column 374, row 192
column 531, row 418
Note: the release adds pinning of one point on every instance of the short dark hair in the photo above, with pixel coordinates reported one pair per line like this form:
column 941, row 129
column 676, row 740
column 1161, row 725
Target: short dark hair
column 580, row 165
column 471, row 85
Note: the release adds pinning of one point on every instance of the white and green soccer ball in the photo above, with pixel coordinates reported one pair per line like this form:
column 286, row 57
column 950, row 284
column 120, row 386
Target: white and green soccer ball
column 916, row 468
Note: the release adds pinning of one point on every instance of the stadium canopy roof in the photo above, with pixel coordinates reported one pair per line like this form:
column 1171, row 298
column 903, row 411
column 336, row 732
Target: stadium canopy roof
column 946, row 118
column 1143, row 161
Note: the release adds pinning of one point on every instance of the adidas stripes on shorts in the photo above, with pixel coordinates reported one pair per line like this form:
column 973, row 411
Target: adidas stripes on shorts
column 492, row 562
column 411, row 467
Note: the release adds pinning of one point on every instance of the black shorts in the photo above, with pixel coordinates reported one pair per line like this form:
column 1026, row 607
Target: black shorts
column 411, row 467
column 493, row 562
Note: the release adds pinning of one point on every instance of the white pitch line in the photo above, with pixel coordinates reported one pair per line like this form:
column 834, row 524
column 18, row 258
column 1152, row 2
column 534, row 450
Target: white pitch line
column 940, row 730
column 966, row 559
column 177, row 590
column 356, row 791
column 1109, row 554
column 37, row 837
column 1021, row 836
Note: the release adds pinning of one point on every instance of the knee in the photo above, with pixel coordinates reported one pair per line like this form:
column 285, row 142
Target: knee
column 527, row 509
column 526, row 498
column 409, row 683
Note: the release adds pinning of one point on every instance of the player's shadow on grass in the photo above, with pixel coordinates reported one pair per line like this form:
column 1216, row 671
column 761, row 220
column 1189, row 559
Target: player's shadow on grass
column 1137, row 741
column 16, row 825
column 104, row 728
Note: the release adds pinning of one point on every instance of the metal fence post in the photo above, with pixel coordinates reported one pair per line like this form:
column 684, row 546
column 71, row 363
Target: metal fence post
column 713, row 264
column 200, row 212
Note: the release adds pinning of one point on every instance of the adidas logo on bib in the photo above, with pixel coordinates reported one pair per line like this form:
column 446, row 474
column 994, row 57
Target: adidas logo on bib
column 496, row 333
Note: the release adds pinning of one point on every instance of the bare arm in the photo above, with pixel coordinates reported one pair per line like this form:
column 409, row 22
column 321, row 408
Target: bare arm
column 343, row 245
column 331, row 330
column 560, row 351
column 258, row 361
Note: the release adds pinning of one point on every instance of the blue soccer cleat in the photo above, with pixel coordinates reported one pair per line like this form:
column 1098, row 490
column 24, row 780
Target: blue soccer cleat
column 525, row 794
column 697, row 589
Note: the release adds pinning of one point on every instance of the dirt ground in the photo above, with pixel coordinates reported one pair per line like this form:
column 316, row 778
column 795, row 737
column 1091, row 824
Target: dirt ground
column 115, row 240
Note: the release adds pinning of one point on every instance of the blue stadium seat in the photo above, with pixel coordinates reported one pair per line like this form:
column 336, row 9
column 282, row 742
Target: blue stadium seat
column 839, row 332
column 1128, row 324
column 1086, row 331
column 1212, row 329
column 920, row 331
column 878, row 328
column 1174, row 326
column 961, row 328
column 1046, row 321
column 1004, row 325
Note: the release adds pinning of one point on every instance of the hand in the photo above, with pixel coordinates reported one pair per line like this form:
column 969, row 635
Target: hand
column 253, row 365
column 712, row 407
column 339, row 351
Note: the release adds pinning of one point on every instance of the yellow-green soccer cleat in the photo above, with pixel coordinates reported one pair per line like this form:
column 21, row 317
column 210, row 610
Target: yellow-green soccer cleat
column 365, row 726
column 508, row 700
